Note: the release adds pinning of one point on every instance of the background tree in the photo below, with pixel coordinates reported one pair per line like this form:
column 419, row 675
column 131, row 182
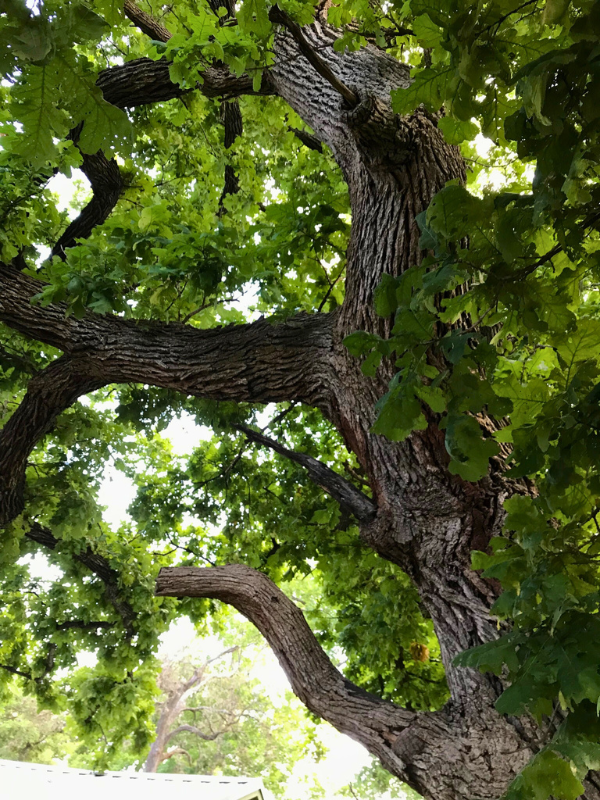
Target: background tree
column 29, row 734
column 430, row 350
column 213, row 717
column 216, row 718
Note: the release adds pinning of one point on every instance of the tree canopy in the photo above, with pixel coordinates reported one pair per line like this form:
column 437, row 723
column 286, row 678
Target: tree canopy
column 223, row 231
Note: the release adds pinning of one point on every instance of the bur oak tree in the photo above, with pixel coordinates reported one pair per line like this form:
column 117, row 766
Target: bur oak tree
column 289, row 206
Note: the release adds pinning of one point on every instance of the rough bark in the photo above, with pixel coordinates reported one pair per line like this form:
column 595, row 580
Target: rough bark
column 424, row 519
column 143, row 81
column 106, row 182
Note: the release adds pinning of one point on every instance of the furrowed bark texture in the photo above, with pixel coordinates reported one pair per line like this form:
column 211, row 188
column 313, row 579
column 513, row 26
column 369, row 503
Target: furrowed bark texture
column 421, row 517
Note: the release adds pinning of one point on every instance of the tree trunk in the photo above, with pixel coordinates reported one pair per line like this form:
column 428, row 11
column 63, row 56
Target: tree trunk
column 427, row 521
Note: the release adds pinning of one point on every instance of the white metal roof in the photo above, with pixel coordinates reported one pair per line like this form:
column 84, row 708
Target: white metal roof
column 23, row 781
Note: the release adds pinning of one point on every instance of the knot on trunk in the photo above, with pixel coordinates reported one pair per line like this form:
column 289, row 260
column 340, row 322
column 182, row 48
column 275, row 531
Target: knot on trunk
column 383, row 137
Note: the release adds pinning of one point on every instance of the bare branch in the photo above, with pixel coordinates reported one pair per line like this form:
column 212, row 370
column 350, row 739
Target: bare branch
column 175, row 752
column 348, row 496
column 319, row 685
column 208, row 737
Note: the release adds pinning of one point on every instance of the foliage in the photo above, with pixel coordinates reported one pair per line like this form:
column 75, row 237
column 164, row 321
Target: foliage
column 29, row 734
column 374, row 782
column 495, row 335
column 262, row 736
column 255, row 734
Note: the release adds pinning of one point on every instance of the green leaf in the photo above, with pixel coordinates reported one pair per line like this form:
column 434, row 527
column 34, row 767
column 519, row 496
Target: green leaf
column 546, row 776
column 427, row 32
column 385, row 296
column 456, row 131
column 429, row 87
column 470, row 452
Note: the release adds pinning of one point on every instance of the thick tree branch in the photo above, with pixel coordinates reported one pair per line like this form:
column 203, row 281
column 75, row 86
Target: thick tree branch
column 278, row 16
column 101, row 568
column 144, row 81
column 107, row 185
column 146, row 23
column 348, row 496
column 319, row 685
column 257, row 362
column 49, row 393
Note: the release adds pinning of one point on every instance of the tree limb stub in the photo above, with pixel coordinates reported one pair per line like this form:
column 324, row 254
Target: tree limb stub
column 348, row 496
column 307, row 139
column 319, row 685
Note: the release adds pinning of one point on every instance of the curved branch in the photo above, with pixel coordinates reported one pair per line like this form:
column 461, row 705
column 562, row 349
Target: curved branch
column 257, row 362
column 208, row 737
column 49, row 393
column 175, row 752
column 320, row 686
column 107, row 185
